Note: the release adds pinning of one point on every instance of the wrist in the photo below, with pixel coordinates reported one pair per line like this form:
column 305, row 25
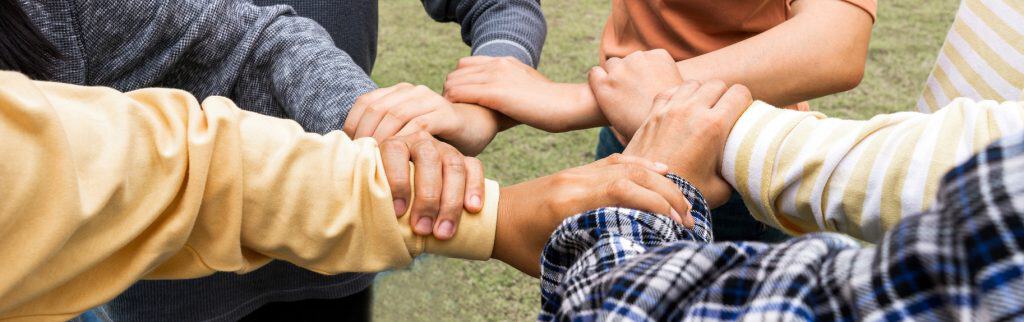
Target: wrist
column 479, row 125
column 581, row 108
column 512, row 244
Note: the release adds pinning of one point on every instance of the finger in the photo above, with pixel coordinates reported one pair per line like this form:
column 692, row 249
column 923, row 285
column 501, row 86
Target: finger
column 395, row 156
column 469, row 79
column 662, row 100
column 597, row 77
column 628, row 194
column 474, row 185
column 668, row 190
column 428, row 185
column 623, row 159
column 362, row 102
column 475, row 60
column 633, row 56
column 376, row 112
column 453, row 192
column 468, row 70
column 687, row 88
column 612, row 64
column 472, row 94
column 734, row 102
column 659, row 53
column 395, row 119
column 707, row 95
column 423, row 123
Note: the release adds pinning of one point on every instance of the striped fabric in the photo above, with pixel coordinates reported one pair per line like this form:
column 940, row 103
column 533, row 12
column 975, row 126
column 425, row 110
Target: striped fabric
column 803, row 172
column 982, row 58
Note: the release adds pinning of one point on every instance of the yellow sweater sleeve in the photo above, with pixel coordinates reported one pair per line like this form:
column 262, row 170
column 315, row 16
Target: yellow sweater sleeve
column 803, row 172
column 100, row 188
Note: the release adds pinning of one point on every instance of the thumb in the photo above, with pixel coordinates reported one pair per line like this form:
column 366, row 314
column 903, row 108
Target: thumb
column 597, row 76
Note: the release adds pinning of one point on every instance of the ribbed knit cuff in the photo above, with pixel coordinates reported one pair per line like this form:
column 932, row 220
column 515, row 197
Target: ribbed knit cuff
column 503, row 48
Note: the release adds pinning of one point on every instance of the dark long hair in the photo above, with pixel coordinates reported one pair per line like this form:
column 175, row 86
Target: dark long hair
column 22, row 46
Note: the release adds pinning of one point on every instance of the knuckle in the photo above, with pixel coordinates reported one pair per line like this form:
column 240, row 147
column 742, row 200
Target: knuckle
column 453, row 162
column 742, row 91
column 715, row 84
column 361, row 100
column 421, row 136
column 397, row 114
column 663, row 96
column 635, row 172
column 392, row 144
column 452, row 206
column 660, row 52
column 662, row 116
column 616, row 158
column 619, row 188
column 376, row 108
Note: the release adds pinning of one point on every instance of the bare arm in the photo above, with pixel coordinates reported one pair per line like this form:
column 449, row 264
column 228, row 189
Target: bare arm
column 819, row 51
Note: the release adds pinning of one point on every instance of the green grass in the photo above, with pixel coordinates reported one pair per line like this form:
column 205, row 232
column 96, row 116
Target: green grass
column 415, row 49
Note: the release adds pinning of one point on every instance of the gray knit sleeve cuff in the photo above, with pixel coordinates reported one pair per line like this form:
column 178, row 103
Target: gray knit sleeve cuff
column 502, row 48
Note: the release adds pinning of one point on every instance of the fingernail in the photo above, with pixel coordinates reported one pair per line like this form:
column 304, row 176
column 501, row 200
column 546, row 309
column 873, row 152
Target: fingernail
column 400, row 207
column 675, row 216
column 474, row 201
column 661, row 166
column 425, row 225
column 446, row 229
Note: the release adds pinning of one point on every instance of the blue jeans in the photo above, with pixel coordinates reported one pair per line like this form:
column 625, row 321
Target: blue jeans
column 730, row 222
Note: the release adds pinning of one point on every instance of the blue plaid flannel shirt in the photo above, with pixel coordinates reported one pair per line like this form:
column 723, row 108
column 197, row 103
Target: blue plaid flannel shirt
column 963, row 260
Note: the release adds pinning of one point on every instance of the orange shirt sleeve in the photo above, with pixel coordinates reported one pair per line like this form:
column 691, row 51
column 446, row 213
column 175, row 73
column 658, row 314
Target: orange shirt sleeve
column 870, row 6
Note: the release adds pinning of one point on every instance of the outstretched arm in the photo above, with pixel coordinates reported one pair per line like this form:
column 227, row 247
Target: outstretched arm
column 103, row 188
column 803, row 172
column 820, row 50
column 824, row 42
column 614, row 264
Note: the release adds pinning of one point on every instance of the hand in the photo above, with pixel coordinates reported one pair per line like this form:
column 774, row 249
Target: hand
column 404, row 109
column 687, row 130
column 522, row 93
column 530, row 211
column 445, row 181
column 625, row 88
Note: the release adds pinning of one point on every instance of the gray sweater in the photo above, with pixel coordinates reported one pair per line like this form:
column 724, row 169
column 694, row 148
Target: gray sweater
column 267, row 59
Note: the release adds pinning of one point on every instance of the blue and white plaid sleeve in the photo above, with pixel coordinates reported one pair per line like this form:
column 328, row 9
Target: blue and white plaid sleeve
column 961, row 261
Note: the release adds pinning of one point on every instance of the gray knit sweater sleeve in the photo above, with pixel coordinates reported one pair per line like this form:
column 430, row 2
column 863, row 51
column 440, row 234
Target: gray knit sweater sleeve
column 265, row 58
column 496, row 27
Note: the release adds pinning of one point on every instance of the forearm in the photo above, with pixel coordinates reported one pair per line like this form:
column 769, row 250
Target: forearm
column 295, row 64
column 115, row 187
column 803, row 172
column 821, row 50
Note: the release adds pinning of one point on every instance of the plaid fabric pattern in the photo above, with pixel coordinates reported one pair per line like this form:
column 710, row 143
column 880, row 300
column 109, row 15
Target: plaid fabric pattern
column 963, row 260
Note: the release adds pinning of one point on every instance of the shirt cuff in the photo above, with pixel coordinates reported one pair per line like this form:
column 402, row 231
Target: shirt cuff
column 749, row 159
column 474, row 238
column 503, row 48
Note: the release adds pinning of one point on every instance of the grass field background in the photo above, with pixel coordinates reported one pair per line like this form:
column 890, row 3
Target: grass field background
column 415, row 49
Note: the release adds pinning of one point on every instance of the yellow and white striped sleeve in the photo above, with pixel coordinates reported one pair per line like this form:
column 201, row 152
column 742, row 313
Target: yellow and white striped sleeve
column 982, row 57
column 803, row 172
